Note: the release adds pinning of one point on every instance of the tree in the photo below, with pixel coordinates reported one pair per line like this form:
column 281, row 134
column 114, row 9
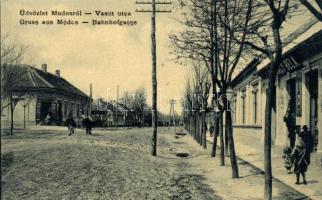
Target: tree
column 198, row 43
column 210, row 36
column 264, row 36
column 316, row 11
column 12, row 74
column 200, row 78
column 137, row 103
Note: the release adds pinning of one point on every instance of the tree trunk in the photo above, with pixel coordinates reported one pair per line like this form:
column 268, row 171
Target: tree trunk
column 215, row 136
column 191, row 125
column 230, row 135
column 267, row 144
column 154, row 84
column 204, row 132
column 11, row 117
column 195, row 126
column 24, row 116
column 275, row 63
column 200, row 129
column 222, row 145
column 226, row 138
column 11, row 113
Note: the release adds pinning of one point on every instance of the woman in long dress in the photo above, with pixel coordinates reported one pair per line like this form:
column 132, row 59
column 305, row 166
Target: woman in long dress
column 301, row 160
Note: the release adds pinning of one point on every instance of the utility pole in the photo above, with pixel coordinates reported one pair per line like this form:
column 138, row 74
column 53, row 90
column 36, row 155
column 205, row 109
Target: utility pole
column 154, row 68
column 172, row 113
column 89, row 110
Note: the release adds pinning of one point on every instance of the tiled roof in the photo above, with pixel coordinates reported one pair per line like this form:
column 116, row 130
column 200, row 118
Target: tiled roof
column 38, row 79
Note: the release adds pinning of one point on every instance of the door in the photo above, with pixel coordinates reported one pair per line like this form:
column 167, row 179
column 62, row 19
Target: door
column 290, row 116
column 313, row 91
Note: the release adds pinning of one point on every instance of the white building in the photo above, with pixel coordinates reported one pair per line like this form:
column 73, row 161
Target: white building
column 299, row 81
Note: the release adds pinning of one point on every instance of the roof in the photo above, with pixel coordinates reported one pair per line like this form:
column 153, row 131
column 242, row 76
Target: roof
column 36, row 79
column 305, row 32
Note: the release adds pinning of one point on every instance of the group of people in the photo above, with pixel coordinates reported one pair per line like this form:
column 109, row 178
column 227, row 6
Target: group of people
column 86, row 122
column 298, row 157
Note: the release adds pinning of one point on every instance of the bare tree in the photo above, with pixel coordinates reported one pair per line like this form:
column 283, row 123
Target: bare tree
column 264, row 37
column 12, row 74
column 315, row 10
column 210, row 36
column 136, row 102
column 201, row 93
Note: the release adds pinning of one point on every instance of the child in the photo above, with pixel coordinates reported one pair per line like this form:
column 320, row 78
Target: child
column 301, row 160
column 70, row 123
column 287, row 157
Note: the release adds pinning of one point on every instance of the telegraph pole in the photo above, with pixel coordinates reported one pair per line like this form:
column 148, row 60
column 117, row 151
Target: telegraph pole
column 89, row 111
column 154, row 67
column 172, row 116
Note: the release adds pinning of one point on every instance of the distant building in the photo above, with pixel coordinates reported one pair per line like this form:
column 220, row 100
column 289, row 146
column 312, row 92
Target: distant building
column 298, row 87
column 49, row 99
column 109, row 114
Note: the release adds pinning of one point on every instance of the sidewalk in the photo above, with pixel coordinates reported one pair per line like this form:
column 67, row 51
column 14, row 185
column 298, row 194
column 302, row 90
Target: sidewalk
column 250, row 149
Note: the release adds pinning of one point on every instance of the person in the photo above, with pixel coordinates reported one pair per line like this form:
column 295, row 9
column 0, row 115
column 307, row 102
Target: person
column 287, row 157
column 301, row 160
column 307, row 138
column 87, row 123
column 211, row 129
column 47, row 119
column 70, row 123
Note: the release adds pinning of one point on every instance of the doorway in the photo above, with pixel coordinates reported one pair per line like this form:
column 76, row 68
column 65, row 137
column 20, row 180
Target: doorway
column 44, row 109
column 290, row 116
column 312, row 85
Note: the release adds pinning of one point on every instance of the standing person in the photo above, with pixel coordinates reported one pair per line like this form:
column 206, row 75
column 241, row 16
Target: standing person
column 301, row 160
column 211, row 129
column 70, row 123
column 307, row 138
column 87, row 123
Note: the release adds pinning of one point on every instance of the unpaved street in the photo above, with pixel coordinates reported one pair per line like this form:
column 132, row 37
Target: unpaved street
column 116, row 164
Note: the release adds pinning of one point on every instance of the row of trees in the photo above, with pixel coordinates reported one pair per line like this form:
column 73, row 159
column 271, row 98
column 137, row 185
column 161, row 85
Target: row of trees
column 133, row 105
column 136, row 103
column 219, row 36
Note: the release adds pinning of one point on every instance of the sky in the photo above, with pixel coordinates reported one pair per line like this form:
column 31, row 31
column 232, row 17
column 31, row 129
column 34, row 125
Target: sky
column 105, row 55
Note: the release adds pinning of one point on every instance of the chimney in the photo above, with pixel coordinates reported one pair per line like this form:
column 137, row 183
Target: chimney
column 57, row 72
column 44, row 67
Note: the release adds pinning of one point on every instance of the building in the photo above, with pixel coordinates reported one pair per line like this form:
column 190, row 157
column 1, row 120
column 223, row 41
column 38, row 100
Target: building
column 298, row 88
column 48, row 95
column 109, row 114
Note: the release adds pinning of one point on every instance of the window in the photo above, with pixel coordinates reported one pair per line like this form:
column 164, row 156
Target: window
column 254, row 92
column 243, row 98
column 234, row 108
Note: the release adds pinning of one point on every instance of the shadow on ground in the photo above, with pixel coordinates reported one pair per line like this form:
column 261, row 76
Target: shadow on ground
column 6, row 161
column 190, row 186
